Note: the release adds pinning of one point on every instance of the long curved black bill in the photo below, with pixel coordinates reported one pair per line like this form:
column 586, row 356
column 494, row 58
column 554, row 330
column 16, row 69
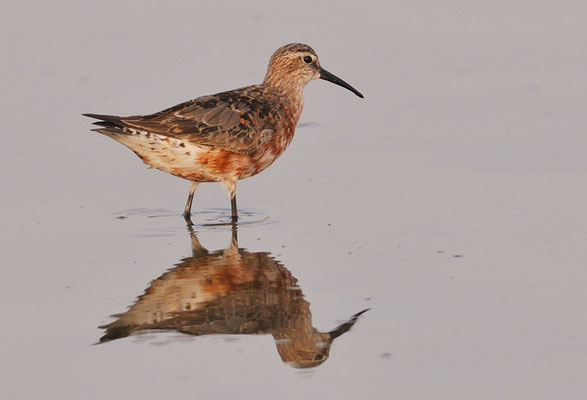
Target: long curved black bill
column 327, row 76
column 344, row 328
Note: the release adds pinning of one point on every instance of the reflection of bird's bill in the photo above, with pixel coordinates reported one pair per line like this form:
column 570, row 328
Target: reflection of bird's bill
column 344, row 328
column 320, row 345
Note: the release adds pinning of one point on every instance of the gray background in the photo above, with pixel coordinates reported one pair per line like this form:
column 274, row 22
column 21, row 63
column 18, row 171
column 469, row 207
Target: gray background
column 470, row 142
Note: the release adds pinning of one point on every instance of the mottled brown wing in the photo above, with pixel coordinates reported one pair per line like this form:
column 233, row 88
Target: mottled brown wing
column 241, row 121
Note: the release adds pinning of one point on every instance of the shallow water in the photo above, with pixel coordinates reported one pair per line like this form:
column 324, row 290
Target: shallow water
column 450, row 202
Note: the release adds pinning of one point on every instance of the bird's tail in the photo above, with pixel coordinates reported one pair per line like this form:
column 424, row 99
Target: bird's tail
column 110, row 125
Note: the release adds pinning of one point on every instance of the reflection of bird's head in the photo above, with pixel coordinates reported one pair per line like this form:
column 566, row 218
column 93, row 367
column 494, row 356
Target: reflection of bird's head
column 305, row 351
column 305, row 347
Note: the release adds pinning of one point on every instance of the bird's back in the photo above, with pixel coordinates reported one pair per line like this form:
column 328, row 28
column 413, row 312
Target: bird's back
column 235, row 133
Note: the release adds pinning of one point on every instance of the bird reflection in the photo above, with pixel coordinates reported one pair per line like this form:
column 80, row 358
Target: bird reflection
column 231, row 291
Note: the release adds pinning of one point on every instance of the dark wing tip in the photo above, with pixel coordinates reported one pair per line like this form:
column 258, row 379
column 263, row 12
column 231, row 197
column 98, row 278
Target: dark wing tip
column 105, row 124
column 96, row 116
column 103, row 117
column 106, row 121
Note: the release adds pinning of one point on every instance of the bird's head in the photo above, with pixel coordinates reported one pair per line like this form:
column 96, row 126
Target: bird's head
column 292, row 66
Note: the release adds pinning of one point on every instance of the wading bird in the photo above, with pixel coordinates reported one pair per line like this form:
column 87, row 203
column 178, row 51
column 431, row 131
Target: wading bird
column 226, row 136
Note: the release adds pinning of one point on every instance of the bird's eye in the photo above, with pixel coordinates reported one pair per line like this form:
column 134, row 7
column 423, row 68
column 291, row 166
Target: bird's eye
column 307, row 59
column 317, row 357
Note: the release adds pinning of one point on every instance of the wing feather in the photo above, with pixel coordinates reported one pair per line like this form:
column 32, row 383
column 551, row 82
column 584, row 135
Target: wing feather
column 242, row 121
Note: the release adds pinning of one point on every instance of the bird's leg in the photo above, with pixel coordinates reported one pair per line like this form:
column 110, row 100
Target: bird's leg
column 233, row 207
column 230, row 185
column 197, row 249
column 187, row 212
column 233, row 248
column 234, row 234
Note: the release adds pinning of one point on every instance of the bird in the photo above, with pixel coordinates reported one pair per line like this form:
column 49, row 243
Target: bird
column 229, row 135
column 230, row 292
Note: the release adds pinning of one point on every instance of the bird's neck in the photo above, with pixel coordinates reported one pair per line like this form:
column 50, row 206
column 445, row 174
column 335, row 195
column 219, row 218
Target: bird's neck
column 290, row 91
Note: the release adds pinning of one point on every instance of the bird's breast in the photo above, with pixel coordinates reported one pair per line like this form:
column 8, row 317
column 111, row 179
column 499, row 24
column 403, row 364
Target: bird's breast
column 279, row 142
